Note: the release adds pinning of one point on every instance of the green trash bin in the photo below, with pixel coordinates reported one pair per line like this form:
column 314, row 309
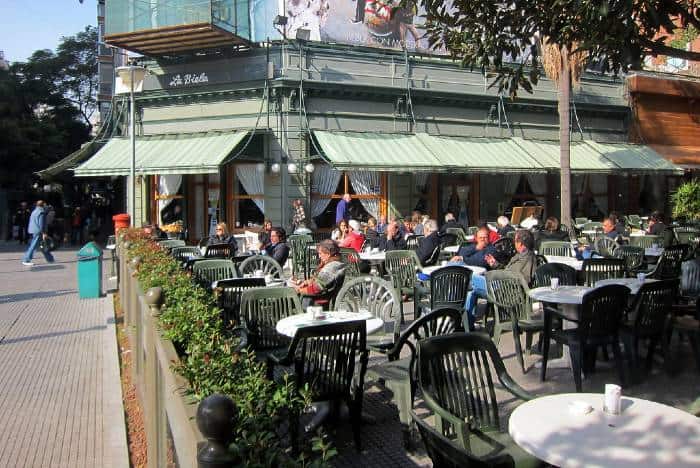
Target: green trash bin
column 90, row 271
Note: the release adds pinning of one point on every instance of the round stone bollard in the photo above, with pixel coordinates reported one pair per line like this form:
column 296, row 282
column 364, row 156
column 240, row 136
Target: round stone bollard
column 216, row 415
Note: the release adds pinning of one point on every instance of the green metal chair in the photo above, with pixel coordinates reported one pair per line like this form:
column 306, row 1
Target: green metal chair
column 669, row 264
column 324, row 359
column 182, row 254
column 596, row 269
column 645, row 241
column 205, row 272
column 399, row 374
column 261, row 309
column 352, row 262
column 508, row 293
column 633, row 257
column 265, row 263
column 402, row 265
column 297, row 244
column 171, row 243
column 228, row 297
column 605, row 246
column 558, row 248
column 455, row 378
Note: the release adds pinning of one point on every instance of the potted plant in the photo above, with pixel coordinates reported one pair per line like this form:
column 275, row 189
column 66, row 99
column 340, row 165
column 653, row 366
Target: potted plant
column 686, row 201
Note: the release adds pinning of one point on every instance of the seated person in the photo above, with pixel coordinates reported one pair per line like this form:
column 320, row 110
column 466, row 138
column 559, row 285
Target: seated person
column 222, row 236
column 529, row 222
column 354, row 238
column 523, row 263
column 619, row 225
column 493, row 234
column 450, row 222
column 278, row 248
column 430, row 242
column 393, row 239
column 341, row 230
column 371, row 233
column 608, row 231
column 329, row 273
column 551, row 232
column 503, row 226
column 656, row 224
column 475, row 254
column 264, row 235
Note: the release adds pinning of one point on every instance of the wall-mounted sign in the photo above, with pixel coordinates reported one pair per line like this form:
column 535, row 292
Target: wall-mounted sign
column 184, row 79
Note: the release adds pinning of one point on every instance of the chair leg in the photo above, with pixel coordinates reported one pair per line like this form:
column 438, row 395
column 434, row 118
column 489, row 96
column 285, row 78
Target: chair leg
column 617, row 352
column 576, row 359
column 629, row 353
column 356, row 420
column 650, row 352
column 518, row 347
column 545, row 344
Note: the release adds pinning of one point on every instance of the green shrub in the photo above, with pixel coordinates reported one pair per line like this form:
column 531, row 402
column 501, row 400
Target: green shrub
column 686, row 201
column 211, row 363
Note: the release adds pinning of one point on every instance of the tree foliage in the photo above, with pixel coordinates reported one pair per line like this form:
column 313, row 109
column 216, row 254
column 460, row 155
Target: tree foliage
column 45, row 106
column 498, row 36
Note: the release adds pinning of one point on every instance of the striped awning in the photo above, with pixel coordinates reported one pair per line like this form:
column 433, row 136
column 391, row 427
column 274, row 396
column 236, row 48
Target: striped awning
column 184, row 153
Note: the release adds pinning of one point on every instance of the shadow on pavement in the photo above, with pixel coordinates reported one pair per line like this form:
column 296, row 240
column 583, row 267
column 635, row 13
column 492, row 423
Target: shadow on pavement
column 35, row 295
column 41, row 336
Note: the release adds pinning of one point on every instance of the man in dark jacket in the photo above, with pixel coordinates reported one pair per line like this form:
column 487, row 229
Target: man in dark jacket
column 38, row 230
column 450, row 222
column 278, row 248
column 429, row 243
column 475, row 254
column 393, row 239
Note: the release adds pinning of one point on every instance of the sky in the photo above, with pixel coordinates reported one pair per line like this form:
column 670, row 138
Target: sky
column 29, row 25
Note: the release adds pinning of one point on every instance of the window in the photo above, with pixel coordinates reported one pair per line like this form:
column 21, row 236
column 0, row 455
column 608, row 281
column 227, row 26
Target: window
column 363, row 204
column 246, row 196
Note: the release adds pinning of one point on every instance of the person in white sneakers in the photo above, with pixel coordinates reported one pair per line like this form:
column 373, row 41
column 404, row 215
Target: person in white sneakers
column 37, row 228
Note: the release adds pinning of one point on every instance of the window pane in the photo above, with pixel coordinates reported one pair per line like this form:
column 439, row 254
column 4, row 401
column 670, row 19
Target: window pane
column 247, row 212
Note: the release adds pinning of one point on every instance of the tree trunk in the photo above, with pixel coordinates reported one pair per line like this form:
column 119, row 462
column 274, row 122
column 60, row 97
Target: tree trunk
column 564, row 160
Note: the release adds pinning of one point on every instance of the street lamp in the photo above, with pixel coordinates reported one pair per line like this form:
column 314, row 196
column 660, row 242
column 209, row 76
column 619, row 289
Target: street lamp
column 131, row 81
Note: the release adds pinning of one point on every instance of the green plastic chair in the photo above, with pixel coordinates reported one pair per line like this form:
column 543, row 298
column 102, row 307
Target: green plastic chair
column 399, row 374
column 581, row 221
column 449, row 286
column 352, row 262
column 205, row 272
column 267, row 264
column 402, row 265
column 297, row 244
column 508, row 293
column 182, row 254
column 455, row 377
column 171, row 243
column 596, row 269
column 218, row 251
column 261, row 309
column 442, row 451
column 460, row 235
column 645, row 241
column 634, row 221
column 544, row 274
column 413, row 242
column 605, row 246
column 633, row 257
column 324, row 359
column 687, row 235
column 558, row 248
column 592, row 226
column 311, row 260
column 228, row 297
column 472, row 230
column 669, row 264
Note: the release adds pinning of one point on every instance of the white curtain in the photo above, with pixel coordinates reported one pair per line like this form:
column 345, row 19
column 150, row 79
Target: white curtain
column 324, row 181
column 367, row 183
column 252, row 177
column 167, row 185
column 421, row 181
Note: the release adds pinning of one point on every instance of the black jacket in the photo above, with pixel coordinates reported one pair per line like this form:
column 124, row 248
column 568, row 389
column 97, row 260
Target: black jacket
column 398, row 243
column 427, row 246
column 279, row 251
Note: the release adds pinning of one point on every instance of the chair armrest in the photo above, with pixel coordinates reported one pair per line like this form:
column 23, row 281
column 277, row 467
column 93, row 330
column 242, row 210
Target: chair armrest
column 382, row 348
column 514, row 388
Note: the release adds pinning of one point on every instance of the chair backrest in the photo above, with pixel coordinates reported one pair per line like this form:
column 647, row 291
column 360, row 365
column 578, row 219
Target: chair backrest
column 686, row 234
column 632, row 255
column 505, row 249
column 205, row 272
column 690, row 278
column 580, row 221
column 634, row 220
column 228, row 296
column 218, row 251
column 449, row 286
column 182, row 254
column 601, row 313
column 297, row 244
column 508, row 293
column 652, row 304
column 267, row 264
column 352, row 261
column 455, row 374
column 472, row 230
column 311, row 259
column 605, row 246
column 545, row 273
column 596, row 269
column 442, row 451
column 558, row 248
column 592, row 226
column 261, row 309
column 318, row 236
column 372, row 294
column 402, row 266
column 645, row 241
column 540, row 260
column 413, row 242
column 669, row 264
column 169, row 244
column 324, row 357
column 458, row 234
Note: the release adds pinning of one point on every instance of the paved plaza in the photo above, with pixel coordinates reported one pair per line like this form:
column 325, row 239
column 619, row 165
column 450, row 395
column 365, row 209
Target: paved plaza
column 60, row 396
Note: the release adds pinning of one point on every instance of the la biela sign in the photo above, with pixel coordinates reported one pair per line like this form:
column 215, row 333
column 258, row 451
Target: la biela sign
column 185, row 79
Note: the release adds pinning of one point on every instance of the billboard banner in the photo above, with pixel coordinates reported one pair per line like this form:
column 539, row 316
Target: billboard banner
column 379, row 23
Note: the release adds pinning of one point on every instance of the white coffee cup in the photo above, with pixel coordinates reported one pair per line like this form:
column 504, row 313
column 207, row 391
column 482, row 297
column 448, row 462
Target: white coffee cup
column 641, row 277
column 613, row 399
column 554, row 283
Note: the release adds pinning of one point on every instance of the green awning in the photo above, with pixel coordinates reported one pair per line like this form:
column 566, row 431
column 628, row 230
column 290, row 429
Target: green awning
column 72, row 160
column 583, row 157
column 635, row 158
column 376, row 151
column 481, row 154
column 184, row 153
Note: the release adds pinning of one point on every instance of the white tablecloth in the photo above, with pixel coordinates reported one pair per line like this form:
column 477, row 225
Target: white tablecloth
column 477, row 270
column 571, row 261
column 288, row 326
column 646, row 434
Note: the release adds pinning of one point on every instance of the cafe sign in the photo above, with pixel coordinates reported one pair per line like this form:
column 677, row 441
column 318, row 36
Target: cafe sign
column 185, row 79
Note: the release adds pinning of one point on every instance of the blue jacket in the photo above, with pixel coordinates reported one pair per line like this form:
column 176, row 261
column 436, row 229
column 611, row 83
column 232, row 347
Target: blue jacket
column 341, row 211
column 475, row 257
column 37, row 221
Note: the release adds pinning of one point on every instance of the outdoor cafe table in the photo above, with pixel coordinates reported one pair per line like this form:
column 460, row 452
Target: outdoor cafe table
column 573, row 262
column 632, row 283
column 653, row 252
column 288, row 326
column 451, row 249
column 645, row 434
column 373, row 257
column 477, row 270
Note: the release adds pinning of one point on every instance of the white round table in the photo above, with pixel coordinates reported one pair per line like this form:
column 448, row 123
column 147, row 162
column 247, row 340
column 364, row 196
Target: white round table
column 632, row 283
column 477, row 270
column 288, row 326
column 451, row 249
column 653, row 252
column 373, row 256
column 573, row 262
column 561, row 295
column 646, row 434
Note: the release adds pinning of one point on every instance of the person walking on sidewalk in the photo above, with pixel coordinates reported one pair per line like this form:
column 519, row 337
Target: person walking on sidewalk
column 37, row 228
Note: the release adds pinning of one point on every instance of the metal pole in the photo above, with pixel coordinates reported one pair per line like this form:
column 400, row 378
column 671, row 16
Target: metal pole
column 132, row 138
